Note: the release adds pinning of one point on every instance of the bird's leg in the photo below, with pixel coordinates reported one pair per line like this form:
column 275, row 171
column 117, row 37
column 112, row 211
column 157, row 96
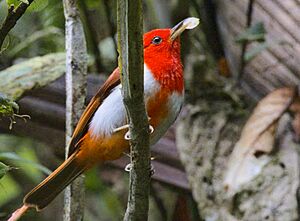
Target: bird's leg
column 128, row 167
column 126, row 126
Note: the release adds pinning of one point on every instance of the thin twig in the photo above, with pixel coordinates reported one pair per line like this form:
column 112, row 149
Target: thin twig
column 245, row 43
column 13, row 15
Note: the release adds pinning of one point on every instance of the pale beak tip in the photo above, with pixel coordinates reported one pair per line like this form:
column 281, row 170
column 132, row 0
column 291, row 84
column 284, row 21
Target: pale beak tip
column 191, row 22
column 188, row 23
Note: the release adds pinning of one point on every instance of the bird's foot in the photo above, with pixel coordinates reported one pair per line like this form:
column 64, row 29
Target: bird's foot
column 128, row 168
column 128, row 135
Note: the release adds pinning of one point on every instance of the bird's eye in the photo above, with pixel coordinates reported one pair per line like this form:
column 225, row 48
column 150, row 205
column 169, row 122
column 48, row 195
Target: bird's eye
column 156, row 40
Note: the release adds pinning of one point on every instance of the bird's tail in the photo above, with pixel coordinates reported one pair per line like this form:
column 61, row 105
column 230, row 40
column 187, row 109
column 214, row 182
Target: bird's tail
column 49, row 188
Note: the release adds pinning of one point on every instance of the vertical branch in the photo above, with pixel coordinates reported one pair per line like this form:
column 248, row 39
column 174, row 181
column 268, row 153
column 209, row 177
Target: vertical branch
column 76, row 68
column 130, row 43
column 245, row 44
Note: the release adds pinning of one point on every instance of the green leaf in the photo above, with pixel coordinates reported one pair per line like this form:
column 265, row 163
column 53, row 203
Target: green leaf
column 9, row 190
column 3, row 169
column 15, row 157
column 92, row 4
column 255, row 32
column 252, row 53
column 38, row 5
column 12, row 2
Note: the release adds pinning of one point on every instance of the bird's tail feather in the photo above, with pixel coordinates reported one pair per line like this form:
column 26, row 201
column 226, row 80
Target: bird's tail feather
column 49, row 188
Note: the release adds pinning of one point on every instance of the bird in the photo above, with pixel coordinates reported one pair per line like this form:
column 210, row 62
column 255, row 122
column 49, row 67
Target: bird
column 100, row 133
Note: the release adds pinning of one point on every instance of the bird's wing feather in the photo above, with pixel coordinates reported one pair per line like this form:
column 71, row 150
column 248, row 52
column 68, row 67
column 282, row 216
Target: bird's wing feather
column 96, row 101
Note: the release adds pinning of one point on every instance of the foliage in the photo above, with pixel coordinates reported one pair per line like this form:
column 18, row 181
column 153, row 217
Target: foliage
column 3, row 169
column 255, row 32
column 19, row 155
column 7, row 106
column 14, row 157
column 37, row 5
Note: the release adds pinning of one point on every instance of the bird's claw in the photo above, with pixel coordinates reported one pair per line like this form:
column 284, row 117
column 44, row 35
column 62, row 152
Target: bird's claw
column 151, row 128
column 128, row 167
column 152, row 170
column 127, row 136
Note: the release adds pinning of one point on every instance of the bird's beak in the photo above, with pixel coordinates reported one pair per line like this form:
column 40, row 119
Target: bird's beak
column 188, row 23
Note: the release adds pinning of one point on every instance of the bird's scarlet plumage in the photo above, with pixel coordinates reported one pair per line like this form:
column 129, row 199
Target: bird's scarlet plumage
column 164, row 59
column 93, row 140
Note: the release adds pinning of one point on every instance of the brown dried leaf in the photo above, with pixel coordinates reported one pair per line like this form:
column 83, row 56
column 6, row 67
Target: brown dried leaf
column 257, row 139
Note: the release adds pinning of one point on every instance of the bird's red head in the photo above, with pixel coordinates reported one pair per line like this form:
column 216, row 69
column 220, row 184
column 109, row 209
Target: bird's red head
column 159, row 43
column 162, row 54
column 162, row 57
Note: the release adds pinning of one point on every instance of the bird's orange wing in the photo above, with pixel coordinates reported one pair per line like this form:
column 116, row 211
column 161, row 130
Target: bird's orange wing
column 96, row 101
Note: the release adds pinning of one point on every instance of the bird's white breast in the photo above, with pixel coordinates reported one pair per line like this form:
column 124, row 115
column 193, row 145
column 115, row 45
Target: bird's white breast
column 111, row 114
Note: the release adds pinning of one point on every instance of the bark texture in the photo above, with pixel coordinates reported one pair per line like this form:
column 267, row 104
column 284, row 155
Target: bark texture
column 214, row 120
column 130, row 43
column 76, row 70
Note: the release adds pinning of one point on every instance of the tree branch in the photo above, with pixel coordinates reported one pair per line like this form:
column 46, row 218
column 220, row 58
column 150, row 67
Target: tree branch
column 130, row 26
column 245, row 43
column 13, row 15
column 76, row 69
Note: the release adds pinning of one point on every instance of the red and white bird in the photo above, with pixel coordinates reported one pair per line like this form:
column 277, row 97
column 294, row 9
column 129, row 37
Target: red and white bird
column 96, row 138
